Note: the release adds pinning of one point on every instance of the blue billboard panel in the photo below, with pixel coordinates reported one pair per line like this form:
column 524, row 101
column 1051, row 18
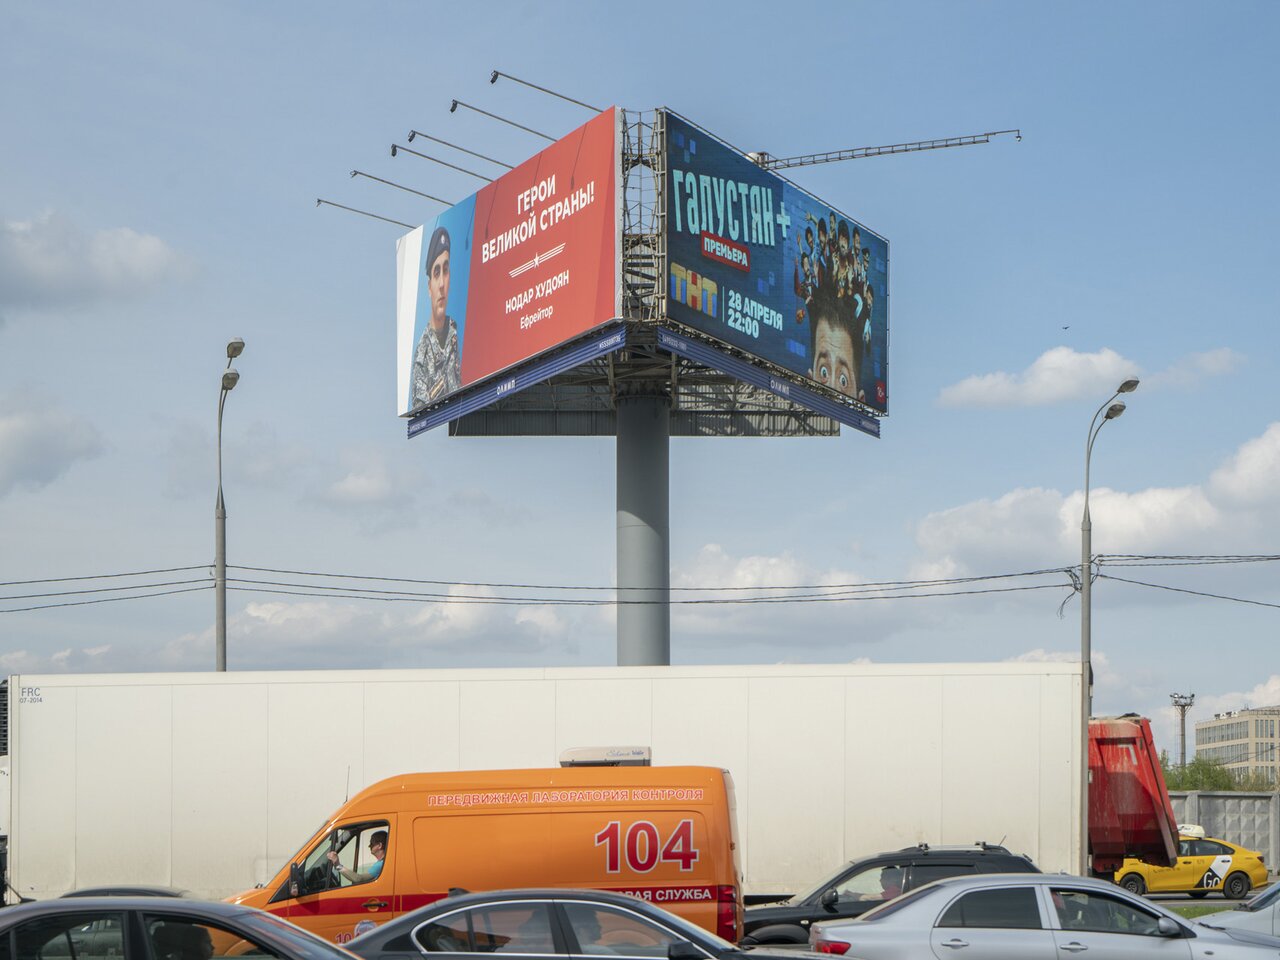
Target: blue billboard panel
column 758, row 263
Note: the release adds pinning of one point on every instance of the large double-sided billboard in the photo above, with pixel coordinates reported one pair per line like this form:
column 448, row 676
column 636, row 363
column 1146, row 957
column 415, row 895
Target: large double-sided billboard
column 758, row 263
column 530, row 262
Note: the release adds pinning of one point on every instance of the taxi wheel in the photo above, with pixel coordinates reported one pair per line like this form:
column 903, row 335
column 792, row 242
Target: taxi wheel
column 1133, row 883
column 1197, row 894
column 1236, row 887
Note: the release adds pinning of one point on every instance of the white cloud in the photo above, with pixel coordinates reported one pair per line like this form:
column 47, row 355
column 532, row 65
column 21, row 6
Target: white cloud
column 838, row 630
column 1191, row 370
column 1028, row 529
column 1056, row 375
column 1252, row 476
column 1263, row 694
column 341, row 633
column 1004, row 535
column 1103, row 674
column 50, row 261
column 39, row 442
column 1062, row 374
column 68, row 660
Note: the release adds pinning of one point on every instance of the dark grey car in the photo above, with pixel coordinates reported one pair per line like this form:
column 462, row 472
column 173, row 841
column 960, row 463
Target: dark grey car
column 549, row 923
column 152, row 928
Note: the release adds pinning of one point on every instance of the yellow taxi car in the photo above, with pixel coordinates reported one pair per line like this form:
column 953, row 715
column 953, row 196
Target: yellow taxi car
column 1204, row 866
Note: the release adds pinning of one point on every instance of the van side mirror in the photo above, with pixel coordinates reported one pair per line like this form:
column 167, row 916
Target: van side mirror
column 295, row 880
column 684, row 950
column 829, row 897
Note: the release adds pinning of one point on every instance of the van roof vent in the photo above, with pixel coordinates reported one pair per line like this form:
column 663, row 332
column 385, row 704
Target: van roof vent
column 606, row 757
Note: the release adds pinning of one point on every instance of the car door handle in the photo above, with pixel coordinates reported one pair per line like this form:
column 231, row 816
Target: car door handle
column 1074, row 947
column 955, row 944
column 374, row 904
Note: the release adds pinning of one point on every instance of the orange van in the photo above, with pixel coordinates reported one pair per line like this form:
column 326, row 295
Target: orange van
column 665, row 834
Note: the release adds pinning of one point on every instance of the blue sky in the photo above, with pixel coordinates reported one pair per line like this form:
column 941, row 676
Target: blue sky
column 159, row 174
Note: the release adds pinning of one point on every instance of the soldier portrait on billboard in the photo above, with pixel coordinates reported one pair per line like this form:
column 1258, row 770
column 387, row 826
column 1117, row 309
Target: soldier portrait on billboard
column 437, row 362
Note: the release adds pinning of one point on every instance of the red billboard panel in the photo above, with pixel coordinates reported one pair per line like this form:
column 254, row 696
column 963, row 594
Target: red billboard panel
column 529, row 262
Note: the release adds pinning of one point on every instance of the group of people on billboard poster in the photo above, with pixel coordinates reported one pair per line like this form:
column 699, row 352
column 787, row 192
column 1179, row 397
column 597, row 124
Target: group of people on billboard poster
column 833, row 286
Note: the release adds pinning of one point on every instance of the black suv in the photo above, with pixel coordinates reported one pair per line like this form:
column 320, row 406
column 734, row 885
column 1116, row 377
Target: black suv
column 862, row 884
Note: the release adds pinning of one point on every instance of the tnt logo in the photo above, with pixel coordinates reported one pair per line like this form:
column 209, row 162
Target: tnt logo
column 695, row 291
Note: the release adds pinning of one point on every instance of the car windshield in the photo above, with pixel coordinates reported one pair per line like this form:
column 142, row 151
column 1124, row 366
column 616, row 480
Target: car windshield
column 828, row 881
column 290, row 940
column 890, row 907
column 1263, row 900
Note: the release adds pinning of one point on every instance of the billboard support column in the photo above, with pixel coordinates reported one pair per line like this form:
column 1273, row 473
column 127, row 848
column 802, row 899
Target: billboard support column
column 644, row 520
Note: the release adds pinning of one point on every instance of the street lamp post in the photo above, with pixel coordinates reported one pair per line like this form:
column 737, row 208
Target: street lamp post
column 1113, row 410
column 230, row 377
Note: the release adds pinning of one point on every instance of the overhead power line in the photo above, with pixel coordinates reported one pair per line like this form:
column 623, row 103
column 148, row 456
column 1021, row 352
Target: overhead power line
column 892, row 584
column 105, row 576
column 82, row 603
column 393, row 596
column 1196, row 593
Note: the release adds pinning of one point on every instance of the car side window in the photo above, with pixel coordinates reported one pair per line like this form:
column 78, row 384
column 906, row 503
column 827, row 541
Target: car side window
column 1184, row 848
column 73, row 936
column 608, row 932
column 877, row 884
column 449, row 934
column 1011, row 908
column 1210, row 848
column 1102, row 913
column 507, row 928
column 923, row 873
column 173, row 937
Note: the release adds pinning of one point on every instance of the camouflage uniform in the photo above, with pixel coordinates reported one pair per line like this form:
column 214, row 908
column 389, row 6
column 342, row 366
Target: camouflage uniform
column 437, row 370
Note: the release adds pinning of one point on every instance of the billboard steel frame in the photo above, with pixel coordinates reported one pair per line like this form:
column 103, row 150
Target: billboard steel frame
column 643, row 394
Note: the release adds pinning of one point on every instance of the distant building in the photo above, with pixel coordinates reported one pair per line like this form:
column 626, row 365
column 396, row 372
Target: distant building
column 1244, row 741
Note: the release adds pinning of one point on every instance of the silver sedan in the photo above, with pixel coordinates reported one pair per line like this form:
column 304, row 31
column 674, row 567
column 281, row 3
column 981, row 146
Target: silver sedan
column 1030, row 917
column 1262, row 914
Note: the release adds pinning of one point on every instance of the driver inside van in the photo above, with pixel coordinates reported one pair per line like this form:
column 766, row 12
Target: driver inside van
column 377, row 847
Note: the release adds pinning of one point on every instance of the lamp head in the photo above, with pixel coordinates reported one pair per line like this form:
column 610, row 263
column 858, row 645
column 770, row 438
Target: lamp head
column 393, row 149
column 235, row 347
column 1114, row 410
column 412, row 134
column 493, row 77
column 453, row 106
column 1017, row 137
column 229, row 379
column 1128, row 386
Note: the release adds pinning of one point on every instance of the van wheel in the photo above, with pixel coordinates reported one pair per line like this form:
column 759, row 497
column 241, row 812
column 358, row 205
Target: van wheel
column 1133, row 883
column 1236, row 887
column 1197, row 894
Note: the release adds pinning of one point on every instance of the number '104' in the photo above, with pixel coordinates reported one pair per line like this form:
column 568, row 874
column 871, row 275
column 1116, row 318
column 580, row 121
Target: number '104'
column 644, row 847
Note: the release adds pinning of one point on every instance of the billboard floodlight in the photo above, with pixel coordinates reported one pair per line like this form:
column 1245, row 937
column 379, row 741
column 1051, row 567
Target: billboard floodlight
column 493, row 78
column 427, row 136
column 455, row 104
column 443, row 163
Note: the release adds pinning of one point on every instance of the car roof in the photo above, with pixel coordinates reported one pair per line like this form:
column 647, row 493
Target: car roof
column 539, row 893
column 1022, row 879
column 211, row 908
column 127, row 890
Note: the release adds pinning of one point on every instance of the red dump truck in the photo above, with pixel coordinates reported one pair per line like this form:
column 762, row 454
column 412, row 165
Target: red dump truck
column 1129, row 810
